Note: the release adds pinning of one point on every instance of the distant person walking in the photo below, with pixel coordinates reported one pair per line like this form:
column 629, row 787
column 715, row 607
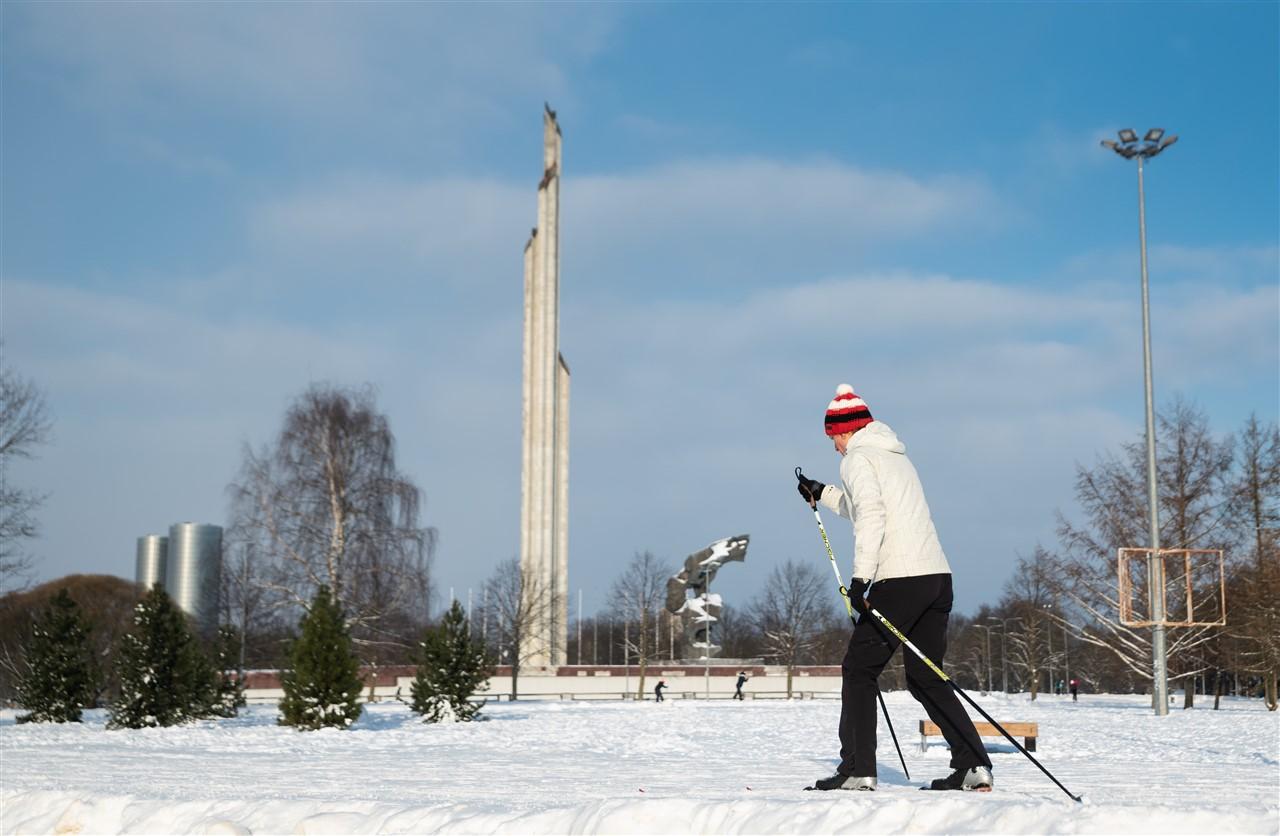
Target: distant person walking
column 1075, row 690
column 896, row 547
column 742, row 680
column 657, row 690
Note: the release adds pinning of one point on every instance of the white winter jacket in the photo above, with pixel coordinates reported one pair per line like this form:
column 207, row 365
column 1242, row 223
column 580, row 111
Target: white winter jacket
column 893, row 532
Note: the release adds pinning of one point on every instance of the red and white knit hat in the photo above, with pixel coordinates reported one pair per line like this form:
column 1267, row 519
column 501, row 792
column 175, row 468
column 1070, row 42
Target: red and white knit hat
column 847, row 412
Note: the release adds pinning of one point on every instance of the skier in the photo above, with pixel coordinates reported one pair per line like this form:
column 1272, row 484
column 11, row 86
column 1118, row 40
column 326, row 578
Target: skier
column 742, row 680
column 657, row 690
column 1075, row 689
column 895, row 547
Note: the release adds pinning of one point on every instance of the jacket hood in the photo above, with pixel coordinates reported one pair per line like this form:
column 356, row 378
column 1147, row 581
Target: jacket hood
column 878, row 434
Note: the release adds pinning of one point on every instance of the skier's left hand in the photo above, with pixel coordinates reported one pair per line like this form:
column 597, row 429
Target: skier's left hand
column 857, row 590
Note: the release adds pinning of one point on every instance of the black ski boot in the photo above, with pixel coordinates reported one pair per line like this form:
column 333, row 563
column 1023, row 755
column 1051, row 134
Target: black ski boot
column 844, row 782
column 977, row 779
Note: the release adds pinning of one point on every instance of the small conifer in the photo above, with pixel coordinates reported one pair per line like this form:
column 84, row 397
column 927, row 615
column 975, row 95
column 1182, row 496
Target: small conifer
column 230, row 696
column 61, row 677
column 322, row 687
column 165, row 678
column 451, row 667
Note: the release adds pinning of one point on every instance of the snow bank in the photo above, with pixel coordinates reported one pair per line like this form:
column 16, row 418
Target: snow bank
column 678, row 767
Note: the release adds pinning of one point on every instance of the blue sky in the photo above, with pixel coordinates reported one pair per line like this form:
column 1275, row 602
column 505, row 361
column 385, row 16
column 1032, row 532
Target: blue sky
column 206, row 207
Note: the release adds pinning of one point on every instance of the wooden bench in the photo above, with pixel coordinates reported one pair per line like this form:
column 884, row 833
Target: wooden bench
column 1027, row 731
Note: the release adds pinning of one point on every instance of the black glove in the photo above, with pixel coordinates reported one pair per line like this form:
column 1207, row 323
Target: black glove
column 810, row 489
column 857, row 590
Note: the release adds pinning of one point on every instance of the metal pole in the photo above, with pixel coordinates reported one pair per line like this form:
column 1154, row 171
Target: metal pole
column 1066, row 657
column 1155, row 566
column 706, row 669
column 988, row 629
column 626, row 658
column 579, row 625
column 1048, row 634
column 1004, row 653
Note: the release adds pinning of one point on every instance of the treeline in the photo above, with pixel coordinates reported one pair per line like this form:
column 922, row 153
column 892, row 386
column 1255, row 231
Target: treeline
column 322, row 511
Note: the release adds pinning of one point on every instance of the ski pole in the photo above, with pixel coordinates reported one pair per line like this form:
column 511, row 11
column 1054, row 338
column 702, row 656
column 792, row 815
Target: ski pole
column 848, row 605
column 960, row 691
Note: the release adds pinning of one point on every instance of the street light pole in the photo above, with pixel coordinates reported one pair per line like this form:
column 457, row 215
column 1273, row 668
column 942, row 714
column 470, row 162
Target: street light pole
column 1129, row 148
column 987, row 628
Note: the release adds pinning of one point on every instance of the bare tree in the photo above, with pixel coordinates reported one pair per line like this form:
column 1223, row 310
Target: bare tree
column 790, row 613
column 518, row 604
column 1191, row 465
column 1029, row 597
column 325, row 505
column 24, row 424
column 1255, row 613
column 637, row 596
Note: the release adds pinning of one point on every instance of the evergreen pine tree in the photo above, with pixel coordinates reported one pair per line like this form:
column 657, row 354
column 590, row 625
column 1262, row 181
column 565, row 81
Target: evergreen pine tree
column 230, row 692
column 451, row 667
column 61, row 676
column 165, row 678
column 323, row 684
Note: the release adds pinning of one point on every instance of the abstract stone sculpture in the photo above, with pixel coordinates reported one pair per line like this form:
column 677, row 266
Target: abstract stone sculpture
column 688, row 596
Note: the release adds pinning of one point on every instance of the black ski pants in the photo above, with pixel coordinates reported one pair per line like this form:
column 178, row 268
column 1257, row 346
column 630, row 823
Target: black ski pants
column 919, row 607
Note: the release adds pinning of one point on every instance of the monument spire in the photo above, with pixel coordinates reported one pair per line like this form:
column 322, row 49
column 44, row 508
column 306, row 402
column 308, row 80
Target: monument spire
column 544, row 478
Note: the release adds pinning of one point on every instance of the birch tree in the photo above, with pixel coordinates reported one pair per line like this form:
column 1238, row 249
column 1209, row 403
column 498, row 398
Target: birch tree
column 324, row 505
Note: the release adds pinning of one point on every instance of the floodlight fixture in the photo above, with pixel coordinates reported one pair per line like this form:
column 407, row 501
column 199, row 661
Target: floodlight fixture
column 1109, row 143
column 1128, row 135
column 1168, row 141
column 1153, row 135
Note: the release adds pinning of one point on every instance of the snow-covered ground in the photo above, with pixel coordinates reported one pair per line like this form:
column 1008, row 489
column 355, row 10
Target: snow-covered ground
column 678, row 767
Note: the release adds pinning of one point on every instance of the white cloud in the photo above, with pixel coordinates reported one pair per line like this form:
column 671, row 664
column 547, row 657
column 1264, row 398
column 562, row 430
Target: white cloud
column 693, row 222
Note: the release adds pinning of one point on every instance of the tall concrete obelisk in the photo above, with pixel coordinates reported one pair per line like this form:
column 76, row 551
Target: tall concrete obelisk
column 544, row 473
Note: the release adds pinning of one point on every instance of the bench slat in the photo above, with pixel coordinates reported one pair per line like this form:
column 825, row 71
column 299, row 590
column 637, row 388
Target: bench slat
column 928, row 727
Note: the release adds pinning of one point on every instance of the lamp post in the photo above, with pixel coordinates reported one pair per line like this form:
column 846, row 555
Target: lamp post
column 987, row 628
column 1128, row 147
column 1048, row 635
column 1004, row 648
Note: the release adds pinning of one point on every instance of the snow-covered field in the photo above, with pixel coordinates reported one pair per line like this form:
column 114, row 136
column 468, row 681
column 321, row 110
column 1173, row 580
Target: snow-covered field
column 678, row 767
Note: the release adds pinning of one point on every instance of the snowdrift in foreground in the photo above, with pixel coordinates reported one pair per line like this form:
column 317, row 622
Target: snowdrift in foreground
column 678, row 767
column 47, row 812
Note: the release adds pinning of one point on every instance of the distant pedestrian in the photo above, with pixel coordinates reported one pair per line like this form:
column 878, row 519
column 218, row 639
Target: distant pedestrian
column 1057, row 688
column 742, row 680
column 1075, row 690
column 657, row 690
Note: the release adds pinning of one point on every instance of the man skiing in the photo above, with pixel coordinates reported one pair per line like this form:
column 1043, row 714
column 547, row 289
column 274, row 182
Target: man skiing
column 896, row 548
column 657, row 690
column 742, row 680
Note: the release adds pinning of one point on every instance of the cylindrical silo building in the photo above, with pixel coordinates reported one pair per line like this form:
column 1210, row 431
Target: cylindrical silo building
column 193, row 571
column 153, row 552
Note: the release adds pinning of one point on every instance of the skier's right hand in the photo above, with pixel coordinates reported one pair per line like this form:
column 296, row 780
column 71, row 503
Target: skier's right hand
column 810, row 489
